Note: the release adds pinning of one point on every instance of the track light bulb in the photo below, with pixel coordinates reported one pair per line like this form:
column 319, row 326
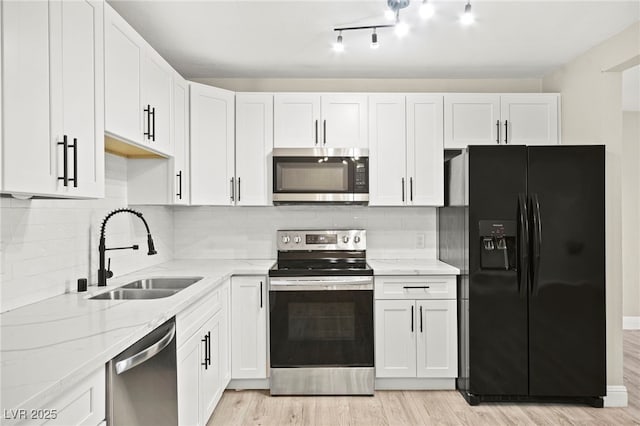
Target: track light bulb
column 426, row 10
column 402, row 29
column 374, row 40
column 467, row 17
column 338, row 46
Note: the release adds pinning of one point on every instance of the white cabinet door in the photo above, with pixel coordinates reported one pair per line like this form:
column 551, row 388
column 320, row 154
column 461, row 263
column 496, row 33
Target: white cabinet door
column 395, row 340
column 79, row 111
column 471, row 119
column 190, row 357
column 344, row 121
column 210, row 374
column 156, row 85
column 296, row 120
column 254, row 141
column 529, row 119
column 437, row 338
column 425, row 159
column 180, row 176
column 248, row 328
column 212, row 145
column 387, row 152
column 29, row 149
column 124, row 49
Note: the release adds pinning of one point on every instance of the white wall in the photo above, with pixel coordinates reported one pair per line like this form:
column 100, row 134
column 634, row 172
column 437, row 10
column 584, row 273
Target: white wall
column 249, row 232
column 592, row 114
column 46, row 245
column 631, row 214
column 486, row 85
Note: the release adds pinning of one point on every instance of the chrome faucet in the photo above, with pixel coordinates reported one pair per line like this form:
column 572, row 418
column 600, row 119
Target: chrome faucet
column 103, row 273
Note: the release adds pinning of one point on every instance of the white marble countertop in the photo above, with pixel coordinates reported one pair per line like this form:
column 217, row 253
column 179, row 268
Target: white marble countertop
column 411, row 267
column 49, row 346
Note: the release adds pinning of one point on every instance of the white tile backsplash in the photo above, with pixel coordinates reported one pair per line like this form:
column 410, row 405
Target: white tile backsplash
column 249, row 232
column 46, row 245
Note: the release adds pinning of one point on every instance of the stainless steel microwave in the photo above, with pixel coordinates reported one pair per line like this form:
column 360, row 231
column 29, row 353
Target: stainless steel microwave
column 320, row 175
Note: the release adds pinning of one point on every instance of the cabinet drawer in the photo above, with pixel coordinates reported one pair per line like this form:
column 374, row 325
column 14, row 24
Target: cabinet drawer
column 416, row 287
column 83, row 405
column 191, row 319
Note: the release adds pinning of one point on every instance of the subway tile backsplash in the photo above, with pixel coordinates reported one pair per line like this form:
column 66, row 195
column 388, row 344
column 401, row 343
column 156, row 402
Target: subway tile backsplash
column 46, row 245
column 249, row 232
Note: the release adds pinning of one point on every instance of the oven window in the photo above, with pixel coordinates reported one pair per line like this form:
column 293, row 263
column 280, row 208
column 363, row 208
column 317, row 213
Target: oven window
column 321, row 328
column 310, row 175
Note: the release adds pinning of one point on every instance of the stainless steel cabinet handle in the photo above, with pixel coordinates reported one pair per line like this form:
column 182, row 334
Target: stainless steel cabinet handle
column 420, row 319
column 146, row 354
column 238, row 189
column 153, row 126
column 260, row 294
column 498, row 132
column 179, row 194
column 233, row 189
column 403, row 190
column 147, row 132
column 406, row 287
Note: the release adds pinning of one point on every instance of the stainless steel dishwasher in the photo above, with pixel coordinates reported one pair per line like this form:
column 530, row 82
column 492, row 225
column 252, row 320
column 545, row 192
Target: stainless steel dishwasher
column 142, row 384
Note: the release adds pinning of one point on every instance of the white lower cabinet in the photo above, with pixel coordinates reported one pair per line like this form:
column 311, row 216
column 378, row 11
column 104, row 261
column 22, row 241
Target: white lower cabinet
column 249, row 327
column 415, row 328
column 203, row 357
column 84, row 404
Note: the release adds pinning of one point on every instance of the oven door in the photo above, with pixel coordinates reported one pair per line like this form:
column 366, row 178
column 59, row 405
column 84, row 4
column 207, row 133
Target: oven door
column 321, row 322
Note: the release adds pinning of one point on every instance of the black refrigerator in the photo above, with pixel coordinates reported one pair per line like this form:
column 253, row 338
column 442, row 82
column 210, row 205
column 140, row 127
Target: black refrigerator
column 526, row 228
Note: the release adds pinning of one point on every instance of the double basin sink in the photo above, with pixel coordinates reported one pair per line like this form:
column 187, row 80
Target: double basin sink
column 149, row 288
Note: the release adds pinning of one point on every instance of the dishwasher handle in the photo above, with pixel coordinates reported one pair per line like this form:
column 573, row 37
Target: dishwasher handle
column 147, row 353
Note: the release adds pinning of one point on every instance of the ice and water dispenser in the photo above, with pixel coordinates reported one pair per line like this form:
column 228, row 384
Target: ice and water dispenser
column 498, row 248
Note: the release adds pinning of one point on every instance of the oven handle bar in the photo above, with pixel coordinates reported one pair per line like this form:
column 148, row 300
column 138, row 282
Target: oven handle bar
column 306, row 284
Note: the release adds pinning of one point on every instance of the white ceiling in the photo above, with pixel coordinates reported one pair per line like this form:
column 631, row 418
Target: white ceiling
column 283, row 39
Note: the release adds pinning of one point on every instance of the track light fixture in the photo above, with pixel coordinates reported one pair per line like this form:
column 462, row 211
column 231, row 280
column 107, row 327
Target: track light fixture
column 401, row 28
column 467, row 17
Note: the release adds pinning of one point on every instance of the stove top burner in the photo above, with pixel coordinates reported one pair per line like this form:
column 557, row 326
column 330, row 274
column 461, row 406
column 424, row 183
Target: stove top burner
column 310, row 271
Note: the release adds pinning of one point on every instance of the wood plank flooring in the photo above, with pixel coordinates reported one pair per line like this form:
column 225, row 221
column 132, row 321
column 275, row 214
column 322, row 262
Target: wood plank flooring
column 425, row 407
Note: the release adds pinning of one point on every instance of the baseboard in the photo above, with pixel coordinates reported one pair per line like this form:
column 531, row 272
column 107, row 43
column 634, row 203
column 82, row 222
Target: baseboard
column 616, row 396
column 415, row 384
column 631, row 323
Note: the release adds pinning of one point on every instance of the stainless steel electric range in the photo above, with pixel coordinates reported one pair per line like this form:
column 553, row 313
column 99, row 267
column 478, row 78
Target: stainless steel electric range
column 321, row 314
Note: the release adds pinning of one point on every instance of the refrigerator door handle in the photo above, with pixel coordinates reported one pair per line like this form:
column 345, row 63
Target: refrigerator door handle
column 523, row 243
column 537, row 241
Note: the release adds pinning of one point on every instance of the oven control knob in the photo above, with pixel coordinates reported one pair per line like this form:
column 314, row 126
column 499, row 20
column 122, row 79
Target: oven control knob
column 297, row 239
column 285, row 239
column 356, row 239
column 345, row 239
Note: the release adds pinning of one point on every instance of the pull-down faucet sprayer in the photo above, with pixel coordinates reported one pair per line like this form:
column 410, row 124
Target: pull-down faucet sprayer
column 103, row 273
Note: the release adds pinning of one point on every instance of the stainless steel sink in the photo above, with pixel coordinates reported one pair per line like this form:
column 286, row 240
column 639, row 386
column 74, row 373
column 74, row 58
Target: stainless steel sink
column 134, row 293
column 164, row 283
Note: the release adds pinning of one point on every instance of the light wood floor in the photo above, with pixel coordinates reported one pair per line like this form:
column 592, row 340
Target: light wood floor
column 425, row 407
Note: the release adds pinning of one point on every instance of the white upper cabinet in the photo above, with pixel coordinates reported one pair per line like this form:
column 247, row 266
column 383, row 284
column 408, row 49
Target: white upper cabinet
column 212, row 145
column 471, row 119
column 303, row 120
column 254, row 141
column 387, row 150
column 180, row 175
column 529, row 119
column 425, row 152
column 138, row 84
column 53, row 92
column 490, row 119
column 296, row 120
column 406, row 153
column 344, row 121
column 123, row 52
